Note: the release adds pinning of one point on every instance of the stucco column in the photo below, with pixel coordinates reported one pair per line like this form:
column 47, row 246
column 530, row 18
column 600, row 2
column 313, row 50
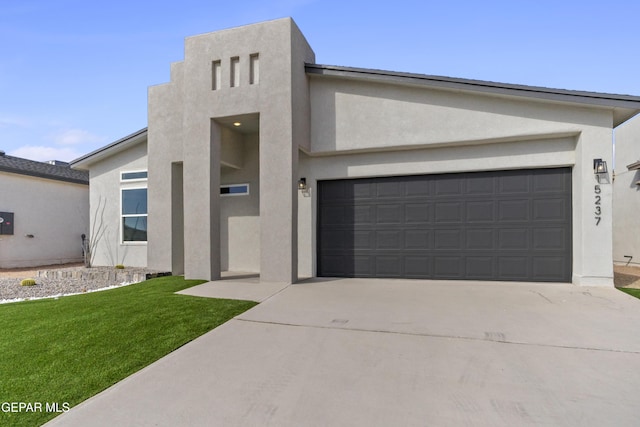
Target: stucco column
column 278, row 200
column 593, row 210
column 202, row 199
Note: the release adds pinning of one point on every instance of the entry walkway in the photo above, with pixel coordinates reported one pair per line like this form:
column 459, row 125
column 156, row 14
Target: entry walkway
column 362, row 352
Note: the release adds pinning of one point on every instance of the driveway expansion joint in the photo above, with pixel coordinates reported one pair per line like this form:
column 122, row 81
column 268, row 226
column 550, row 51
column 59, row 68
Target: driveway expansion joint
column 489, row 337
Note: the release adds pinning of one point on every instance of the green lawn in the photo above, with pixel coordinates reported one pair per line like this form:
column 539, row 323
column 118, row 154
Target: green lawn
column 632, row 292
column 66, row 350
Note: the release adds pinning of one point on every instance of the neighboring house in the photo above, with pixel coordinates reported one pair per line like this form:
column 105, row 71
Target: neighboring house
column 257, row 159
column 44, row 211
column 626, row 199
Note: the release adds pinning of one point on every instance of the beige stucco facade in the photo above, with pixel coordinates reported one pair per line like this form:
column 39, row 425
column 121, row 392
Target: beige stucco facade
column 249, row 106
column 50, row 217
column 626, row 202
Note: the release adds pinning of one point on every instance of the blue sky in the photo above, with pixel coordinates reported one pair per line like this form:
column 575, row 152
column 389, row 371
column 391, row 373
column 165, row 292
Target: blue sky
column 74, row 74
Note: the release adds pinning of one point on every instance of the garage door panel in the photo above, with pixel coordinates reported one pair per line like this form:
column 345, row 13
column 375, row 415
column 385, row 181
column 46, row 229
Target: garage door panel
column 335, row 239
column 501, row 225
column 388, row 266
column 361, row 190
column 481, row 186
column 362, row 239
column 479, row 267
column 448, row 212
column 550, row 209
column 333, row 215
column 514, row 267
column 480, row 239
column 389, row 239
column 389, row 214
column 361, row 215
column 480, row 211
column 334, row 265
column 363, row 266
column 418, row 188
column 417, row 213
column 447, row 240
column 390, row 190
column 447, row 267
column 417, row 239
column 514, row 210
column 549, row 267
column 552, row 181
column 552, row 238
column 448, row 185
column 511, row 183
column 513, row 239
column 417, row 266
column 333, row 191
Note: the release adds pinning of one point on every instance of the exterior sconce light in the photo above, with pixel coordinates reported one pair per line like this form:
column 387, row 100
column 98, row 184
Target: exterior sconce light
column 302, row 184
column 599, row 168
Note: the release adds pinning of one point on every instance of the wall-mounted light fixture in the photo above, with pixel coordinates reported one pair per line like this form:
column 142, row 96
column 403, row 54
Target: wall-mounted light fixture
column 302, row 184
column 599, row 168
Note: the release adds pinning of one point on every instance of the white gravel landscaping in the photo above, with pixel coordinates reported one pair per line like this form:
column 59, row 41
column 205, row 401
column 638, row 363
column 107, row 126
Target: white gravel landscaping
column 53, row 287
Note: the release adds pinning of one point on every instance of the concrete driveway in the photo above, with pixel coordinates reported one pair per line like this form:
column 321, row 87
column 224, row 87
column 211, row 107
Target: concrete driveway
column 359, row 352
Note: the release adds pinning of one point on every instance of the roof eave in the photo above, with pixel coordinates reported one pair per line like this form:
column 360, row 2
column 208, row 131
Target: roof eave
column 44, row 176
column 625, row 106
column 83, row 163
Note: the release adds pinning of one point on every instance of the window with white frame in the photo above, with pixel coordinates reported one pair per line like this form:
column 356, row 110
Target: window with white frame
column 134, row 215
column 133, row 205
column 132, row 176
column 234, row 190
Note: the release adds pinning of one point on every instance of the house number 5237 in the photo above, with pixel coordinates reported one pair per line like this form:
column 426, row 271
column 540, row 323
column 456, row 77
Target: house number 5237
column 597, row 190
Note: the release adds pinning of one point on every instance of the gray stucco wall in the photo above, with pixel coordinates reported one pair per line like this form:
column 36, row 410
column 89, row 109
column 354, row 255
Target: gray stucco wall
column 105, row 204
column 56, row 214
column 626, row 202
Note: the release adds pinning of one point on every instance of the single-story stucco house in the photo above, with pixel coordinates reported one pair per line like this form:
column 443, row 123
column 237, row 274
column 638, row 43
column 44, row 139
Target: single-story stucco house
column 44, row 211
column 257, row 159
column 626, row 194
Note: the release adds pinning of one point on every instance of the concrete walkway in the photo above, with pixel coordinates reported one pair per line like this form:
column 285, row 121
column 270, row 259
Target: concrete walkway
column 396, row 353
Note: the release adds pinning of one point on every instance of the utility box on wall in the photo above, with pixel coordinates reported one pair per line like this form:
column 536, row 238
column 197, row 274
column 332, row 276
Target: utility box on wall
column 6, row 223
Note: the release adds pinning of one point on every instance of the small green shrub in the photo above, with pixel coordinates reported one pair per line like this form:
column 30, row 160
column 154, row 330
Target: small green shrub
column 119, row 266
column 27, row 282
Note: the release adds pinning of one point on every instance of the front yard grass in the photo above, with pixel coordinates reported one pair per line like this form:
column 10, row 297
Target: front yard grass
column 632, row 292
column 68, row 349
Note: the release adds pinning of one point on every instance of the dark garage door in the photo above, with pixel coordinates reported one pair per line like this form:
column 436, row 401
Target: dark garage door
column 502, row 225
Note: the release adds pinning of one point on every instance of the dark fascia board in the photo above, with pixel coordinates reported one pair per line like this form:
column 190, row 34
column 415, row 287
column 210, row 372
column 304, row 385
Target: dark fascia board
column 581, row 97
column 634, row 166
column 119, row 145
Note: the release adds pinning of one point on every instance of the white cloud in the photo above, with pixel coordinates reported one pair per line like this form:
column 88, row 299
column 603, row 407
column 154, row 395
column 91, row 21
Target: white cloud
column 75, row 137
column 43, row 154
column 6, row 121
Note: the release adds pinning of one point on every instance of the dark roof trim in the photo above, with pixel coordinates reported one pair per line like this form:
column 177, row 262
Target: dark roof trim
column 592, row 98
column 20, row 166
column 634, row 166
column 114, row 146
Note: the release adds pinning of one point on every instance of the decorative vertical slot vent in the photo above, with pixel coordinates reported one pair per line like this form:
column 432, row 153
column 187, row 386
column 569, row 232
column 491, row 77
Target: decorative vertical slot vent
column 235, row 71
column 216, row 75
column 254, row 69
